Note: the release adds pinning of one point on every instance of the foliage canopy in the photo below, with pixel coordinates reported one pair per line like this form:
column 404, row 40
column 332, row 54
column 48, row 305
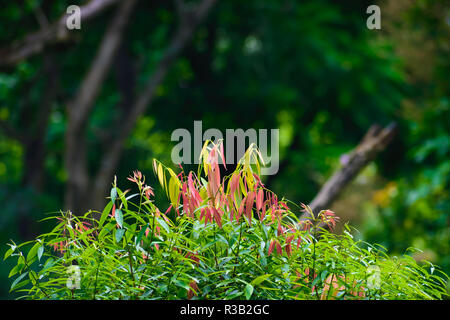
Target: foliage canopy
column 221, row 238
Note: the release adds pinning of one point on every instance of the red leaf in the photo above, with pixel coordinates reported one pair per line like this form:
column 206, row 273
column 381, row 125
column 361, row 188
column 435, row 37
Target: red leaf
column 222, row 155
column 280, row 229
column 234, row 183
column 288, row 249
column 299, row 240
column 249, row 205
column 279, row 249
column 259, row 199
column 217, row 217
column 240, row 210
column 194, row 290
column 289, row 239
column 263, row 214
column 271, row 246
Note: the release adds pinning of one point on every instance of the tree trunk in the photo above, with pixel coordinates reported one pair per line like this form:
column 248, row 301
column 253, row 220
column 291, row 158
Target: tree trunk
column 375, row 141
column 78, row 193
column 95, row 199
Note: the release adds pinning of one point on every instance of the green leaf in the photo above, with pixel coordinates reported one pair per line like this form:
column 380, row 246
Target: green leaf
column 119, row 217
column 130, row 232
column 19, row 278
column 47, row 265
column 105, row 214
column 181, row 284
column 8, row 253
column 248, row 291
column 113, row 194
column 107, row 229
column 263, row 261
column 119, row 234
column 163, row 224
column 17, row 268
column 40, row 252
column 56, row 240
column 141, row 234
column 32, row 253
column 315, row 281
column 323, row 275
column 122, row 198
column 260, row 279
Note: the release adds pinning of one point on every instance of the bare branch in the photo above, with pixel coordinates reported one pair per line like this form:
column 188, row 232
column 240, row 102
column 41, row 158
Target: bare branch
column 375, row 141
column 35, row 42
column 90, row 87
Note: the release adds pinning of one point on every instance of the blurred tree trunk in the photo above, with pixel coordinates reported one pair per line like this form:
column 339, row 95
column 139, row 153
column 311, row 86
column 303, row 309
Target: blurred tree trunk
column 375, row 140
column 84, row 189
column 78, row 189
column 83, row 193
column 33, row 142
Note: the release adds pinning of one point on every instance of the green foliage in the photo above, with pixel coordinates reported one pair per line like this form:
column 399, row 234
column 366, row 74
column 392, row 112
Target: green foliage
column 310, row 68
column 222, row 238
column 416, row 205
column 413, row 210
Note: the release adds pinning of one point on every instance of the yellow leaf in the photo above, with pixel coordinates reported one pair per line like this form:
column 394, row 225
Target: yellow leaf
column 174, row 191
column 161, row 175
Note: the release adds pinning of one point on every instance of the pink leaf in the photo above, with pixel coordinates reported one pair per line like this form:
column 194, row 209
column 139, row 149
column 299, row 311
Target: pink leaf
column 279, row 249
column 259, row 199
column 271, row 246
column 288, row 249
column 222, row 155
column 249, row 204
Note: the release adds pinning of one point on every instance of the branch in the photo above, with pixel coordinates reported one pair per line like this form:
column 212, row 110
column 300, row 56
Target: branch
column 52, row 73
column 375, row 141
column 35, row 42
column 34, row 144
column 178, row 42
column 83, row 103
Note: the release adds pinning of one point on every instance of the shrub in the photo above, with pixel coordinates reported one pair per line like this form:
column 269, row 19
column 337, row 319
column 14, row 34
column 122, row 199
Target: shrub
column 221, row 238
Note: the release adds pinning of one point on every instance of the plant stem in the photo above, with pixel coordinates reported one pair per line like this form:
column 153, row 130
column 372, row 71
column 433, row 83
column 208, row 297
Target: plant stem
column 314, row 262
column 238, row 247
column 36, row 280
column 95, row 284
column 215, row 248
column 131, row 266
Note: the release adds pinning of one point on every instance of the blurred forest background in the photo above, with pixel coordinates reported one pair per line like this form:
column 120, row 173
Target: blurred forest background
column 78, row 107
